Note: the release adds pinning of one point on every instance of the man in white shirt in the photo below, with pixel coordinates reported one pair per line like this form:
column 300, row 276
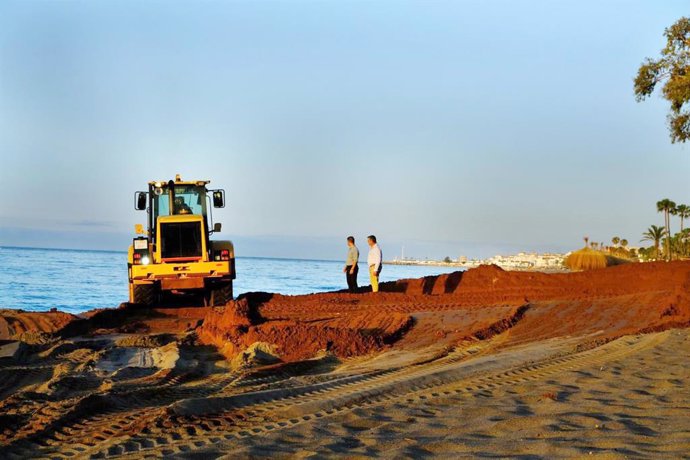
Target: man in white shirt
column 374, row 260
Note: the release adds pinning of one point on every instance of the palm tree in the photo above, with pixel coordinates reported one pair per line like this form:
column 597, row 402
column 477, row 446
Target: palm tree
column 654, row 234
column 586, row 238
column 682, row 211
column 667, row 206
column 684, row 237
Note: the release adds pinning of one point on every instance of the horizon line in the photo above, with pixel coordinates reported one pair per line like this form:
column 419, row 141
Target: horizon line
column 113, row 251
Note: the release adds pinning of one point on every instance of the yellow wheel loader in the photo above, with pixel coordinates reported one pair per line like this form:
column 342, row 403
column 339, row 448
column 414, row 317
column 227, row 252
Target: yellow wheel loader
column 175, row 253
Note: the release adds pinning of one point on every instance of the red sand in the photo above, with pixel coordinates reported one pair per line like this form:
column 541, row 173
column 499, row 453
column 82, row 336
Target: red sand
column 414, row 313
column 449, row 308
column 14, row 323
column 232, row 329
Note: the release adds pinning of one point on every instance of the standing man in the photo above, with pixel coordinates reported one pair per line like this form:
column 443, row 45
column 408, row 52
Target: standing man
column 351, row 267
column 374, row 260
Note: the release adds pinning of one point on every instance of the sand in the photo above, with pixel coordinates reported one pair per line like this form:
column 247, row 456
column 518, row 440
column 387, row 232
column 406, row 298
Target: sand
column 633, row 405
column 486, row 363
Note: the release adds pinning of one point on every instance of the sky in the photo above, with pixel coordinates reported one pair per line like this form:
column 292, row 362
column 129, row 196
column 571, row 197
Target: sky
column 445, row 127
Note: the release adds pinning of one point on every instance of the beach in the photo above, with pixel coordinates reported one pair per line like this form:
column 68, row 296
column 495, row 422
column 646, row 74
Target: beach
column 630, row 405
column 482, row 363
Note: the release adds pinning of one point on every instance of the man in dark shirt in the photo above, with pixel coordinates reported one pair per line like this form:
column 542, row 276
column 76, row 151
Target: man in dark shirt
column 351, row 267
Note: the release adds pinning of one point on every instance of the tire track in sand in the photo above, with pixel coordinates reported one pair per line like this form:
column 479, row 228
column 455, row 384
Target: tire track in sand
column 102, row 420
column 267, row 411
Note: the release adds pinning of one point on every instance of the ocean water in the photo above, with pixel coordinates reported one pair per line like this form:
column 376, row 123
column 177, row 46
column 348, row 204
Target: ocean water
column 76, row 281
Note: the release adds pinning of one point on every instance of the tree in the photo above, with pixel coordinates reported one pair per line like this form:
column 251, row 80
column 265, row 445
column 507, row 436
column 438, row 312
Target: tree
column 684, row 238
column 447, row 260
column 666, row 206
column 682, row 211
column 615, row 240
column 654, row 234
column 586, row 238
column 624, row 243
column 672, row 72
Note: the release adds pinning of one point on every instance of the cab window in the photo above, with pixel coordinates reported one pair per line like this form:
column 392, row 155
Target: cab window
column 189, row 200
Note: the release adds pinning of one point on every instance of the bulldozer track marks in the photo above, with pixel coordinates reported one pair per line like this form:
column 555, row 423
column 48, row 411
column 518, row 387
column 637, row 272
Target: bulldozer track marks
column 146, row 428
column 414, row 303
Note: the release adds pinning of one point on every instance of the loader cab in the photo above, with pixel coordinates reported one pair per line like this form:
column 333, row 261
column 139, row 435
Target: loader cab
column 178, row 198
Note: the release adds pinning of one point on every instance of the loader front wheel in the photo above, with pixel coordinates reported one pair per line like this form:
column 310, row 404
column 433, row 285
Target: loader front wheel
column 221, row 294
column 145, row 294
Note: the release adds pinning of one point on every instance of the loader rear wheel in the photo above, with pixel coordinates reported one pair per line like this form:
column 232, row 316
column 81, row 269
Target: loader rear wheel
column 221, row 294
column 145, row 294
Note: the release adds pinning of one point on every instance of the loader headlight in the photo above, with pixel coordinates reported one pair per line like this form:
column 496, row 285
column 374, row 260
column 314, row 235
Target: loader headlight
column 145, row 260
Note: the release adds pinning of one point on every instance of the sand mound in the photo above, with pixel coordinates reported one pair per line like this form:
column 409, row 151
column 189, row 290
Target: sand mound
column 490, row 284
column 445, row 309
column 14, row 323
column 238, row 325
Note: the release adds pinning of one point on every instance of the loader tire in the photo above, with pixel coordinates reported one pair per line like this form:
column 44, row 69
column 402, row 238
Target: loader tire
column 145, row 294
column 221, row 294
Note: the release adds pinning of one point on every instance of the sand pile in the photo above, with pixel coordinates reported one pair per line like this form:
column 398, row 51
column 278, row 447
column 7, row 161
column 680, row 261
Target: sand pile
column 443, row 310
column 490, row 284
column 437, row 310
column 237, row 326
column 14, row 323
column 617, row 300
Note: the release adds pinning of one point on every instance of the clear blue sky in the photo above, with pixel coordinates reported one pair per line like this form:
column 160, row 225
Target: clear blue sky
column 459, row 127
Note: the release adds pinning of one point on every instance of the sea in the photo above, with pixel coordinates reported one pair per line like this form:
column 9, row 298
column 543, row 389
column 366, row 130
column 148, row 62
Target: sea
column 76, row 281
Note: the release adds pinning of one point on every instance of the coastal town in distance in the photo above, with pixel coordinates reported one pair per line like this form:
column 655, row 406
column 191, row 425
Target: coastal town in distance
column 520, row 261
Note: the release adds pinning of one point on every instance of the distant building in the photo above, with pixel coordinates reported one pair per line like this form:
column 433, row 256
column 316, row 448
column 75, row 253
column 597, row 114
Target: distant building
column 520, row 261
